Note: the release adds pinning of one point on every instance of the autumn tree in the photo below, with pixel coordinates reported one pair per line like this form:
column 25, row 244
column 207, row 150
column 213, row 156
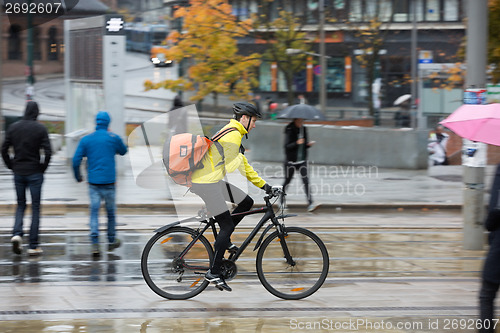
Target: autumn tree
column 285, row 32
column 209, row 42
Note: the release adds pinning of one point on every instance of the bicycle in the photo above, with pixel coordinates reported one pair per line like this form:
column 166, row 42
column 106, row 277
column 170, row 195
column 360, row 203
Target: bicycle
column 292, row 262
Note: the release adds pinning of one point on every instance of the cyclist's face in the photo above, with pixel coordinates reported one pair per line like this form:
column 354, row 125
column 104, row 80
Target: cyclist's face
column 246, row 120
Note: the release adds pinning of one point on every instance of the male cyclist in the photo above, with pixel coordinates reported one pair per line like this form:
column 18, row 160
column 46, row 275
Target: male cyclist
column 209, row 183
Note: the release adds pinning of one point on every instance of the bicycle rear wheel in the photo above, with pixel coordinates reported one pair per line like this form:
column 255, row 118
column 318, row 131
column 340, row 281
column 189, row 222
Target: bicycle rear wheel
column 173, row 267
column 301, row 277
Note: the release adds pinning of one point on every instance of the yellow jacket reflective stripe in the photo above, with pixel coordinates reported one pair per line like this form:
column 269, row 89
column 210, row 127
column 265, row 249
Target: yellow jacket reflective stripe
column 214, row 171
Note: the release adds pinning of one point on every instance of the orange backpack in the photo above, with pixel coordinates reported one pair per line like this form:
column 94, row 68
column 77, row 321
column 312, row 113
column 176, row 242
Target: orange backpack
column 183, row 153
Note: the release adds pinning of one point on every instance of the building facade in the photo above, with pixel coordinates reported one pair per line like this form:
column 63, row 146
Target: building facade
column 48, row 39
column 439, row 24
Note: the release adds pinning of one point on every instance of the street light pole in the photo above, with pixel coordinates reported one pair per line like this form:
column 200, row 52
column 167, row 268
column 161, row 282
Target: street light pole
column 415, row 122
column 322, row 85
column 476, row 59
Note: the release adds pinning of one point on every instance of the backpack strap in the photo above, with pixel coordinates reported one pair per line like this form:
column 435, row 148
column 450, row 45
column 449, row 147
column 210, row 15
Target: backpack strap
column 216, row 138
column 220, row 134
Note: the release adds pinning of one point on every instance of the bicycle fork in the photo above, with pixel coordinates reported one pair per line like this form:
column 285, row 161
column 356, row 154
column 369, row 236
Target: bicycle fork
column 282, row 235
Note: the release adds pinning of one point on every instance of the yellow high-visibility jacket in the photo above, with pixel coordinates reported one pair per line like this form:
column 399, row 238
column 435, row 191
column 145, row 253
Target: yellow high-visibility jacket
column 213, row 170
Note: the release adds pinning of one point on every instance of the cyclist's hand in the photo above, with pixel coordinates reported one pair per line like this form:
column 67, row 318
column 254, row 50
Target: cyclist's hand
column 267, row 188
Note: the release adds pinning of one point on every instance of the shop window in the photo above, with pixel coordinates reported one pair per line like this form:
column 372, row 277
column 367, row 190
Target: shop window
column 265, row 77
column 335, row 75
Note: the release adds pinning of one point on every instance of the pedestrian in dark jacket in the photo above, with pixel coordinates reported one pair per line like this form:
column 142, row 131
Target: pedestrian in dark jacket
column 100, row 149
column 491, row 269
column 27, row 137
column 296, row 146
column 177, row 117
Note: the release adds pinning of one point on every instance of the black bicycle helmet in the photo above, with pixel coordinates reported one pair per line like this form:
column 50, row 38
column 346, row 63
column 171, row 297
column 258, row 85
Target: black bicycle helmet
column 245, row 108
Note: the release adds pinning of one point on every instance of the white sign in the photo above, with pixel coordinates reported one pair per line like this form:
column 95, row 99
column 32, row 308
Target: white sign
column 473, row 154
column 493, row 93
column 115, row 24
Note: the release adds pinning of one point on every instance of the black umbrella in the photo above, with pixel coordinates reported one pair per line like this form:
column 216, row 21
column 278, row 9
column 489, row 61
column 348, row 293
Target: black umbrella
column 303, row 111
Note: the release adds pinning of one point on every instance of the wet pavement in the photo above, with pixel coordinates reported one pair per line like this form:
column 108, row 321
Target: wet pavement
column 395, row 250
column 331, row 186
column 385, row 267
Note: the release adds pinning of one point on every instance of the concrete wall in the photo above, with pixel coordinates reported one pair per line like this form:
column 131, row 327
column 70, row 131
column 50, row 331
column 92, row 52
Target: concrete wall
column 381, row 147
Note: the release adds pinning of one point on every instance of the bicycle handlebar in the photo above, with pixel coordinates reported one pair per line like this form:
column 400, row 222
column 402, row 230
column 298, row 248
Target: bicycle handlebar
column 276, row 191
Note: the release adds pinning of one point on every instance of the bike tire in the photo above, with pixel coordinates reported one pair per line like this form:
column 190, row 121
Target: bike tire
column 305, row 277
column 169, row 276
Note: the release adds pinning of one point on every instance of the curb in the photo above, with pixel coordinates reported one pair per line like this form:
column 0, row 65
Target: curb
column 58, row 208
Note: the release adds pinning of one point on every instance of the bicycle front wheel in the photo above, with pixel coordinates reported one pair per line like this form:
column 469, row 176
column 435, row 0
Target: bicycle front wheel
column 302, row 273
column 173, row 266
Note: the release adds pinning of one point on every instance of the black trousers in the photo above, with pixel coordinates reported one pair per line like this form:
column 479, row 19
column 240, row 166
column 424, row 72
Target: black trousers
column 215, row 197
column 487, row 305
column 290, row 168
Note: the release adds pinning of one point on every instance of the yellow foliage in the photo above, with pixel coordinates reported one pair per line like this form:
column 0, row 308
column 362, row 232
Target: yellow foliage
column 209, row 40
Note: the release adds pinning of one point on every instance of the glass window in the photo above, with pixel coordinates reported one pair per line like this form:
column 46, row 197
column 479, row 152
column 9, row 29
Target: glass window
column 240, row 9
column 339, row 4
column 335, row 75
column 451, row 10
column 419, row 7
column 312, row 11
column 253, row 7
column 281, row 81
column 355, row 14
column 420, row 10
column 300, row 81
column 15, row 43
column 432, row 10
column 339, row 10
column 265, row 76
column 52, row 44
column 370, row 9
column 385, row 8
column 401, row 10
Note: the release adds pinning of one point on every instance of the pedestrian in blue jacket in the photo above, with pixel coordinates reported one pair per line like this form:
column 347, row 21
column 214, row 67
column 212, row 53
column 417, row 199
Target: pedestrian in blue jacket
column 100, row 149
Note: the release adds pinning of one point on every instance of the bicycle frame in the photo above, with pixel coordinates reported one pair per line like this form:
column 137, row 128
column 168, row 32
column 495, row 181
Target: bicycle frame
column 269, row 214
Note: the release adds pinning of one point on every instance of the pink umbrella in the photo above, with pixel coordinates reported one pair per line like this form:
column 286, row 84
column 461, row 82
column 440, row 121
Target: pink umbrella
column 476, row 122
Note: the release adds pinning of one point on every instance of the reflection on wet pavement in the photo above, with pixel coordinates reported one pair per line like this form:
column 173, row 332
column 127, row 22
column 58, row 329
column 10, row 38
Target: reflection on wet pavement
column 353, row 253
column 258, row 325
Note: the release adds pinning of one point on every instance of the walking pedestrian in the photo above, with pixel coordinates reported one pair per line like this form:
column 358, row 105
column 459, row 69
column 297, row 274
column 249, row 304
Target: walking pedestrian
column 491, row 269
column 100, row 148
column 27, row 137
column 437, row 147
column 177, row 117
column 301, row 99
column 296, row 146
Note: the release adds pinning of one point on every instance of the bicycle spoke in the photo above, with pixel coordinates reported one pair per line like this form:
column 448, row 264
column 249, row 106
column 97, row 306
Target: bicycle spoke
column 304, row 276
column 173, row 267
